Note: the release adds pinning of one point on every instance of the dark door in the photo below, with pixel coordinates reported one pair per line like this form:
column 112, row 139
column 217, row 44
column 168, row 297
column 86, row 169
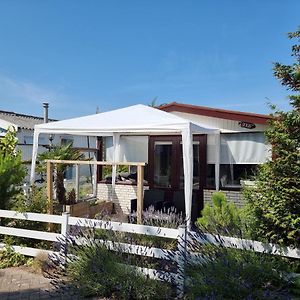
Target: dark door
column 166, row 167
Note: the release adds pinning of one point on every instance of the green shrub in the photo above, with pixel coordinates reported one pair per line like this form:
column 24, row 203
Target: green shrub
column 12, row 171
column 246, row 274
column 229, row 273
column 36, row 202
column 222, row 216
column 10, row 258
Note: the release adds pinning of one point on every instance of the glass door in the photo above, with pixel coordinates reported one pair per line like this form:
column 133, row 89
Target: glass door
column 166, row 162
column 166, row 168
column 196, row 166
column 162, row 164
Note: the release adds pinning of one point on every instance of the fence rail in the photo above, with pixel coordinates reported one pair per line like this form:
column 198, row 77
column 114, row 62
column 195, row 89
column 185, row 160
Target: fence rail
column 239, row 243
column 179, row 234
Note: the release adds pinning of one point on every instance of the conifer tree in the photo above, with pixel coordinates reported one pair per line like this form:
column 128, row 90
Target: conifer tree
column 275, row 202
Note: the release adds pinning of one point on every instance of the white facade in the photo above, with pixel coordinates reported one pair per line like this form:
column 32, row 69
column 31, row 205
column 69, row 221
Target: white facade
column 25, row 139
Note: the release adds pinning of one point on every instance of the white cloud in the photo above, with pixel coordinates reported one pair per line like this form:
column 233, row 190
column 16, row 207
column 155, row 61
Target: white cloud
column 15, row 90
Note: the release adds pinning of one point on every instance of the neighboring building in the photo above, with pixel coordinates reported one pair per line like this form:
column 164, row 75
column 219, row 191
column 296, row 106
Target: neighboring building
column 24, row 125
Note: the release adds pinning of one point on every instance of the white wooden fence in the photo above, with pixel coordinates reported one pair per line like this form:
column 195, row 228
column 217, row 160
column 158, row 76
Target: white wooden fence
column 179, row 234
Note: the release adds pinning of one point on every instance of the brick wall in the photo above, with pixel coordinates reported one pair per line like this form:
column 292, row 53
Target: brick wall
column 122, row 196
column 124, row 193
column 234, row 196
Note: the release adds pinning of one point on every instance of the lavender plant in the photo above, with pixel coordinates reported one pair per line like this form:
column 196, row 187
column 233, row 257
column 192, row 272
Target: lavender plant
column 91, row 269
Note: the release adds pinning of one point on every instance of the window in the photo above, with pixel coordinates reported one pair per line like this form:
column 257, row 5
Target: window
column 196, row 166
column 28, row 140
column 240, row 154
column 210, row 176
column 231, row 175
column 66, row 141
column 132, row 149
column 2, row 131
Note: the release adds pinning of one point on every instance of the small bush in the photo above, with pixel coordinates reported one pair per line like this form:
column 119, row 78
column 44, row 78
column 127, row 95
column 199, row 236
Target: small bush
column 222, row 216
column 36, row 202
column 10, row 258
column 40, row 263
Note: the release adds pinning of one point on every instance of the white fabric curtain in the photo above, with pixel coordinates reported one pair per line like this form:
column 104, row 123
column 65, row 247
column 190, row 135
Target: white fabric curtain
column 34, row 155
column 244, row 148
column 132, row 148
column 108, row 148
column 217, row 160
column 187, row 151
column 239, row 148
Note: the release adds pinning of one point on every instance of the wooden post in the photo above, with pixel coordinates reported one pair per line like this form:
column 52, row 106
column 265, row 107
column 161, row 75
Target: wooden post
column 50, row 192
column 140, row 194
column 77, row 176
column 94, row 180
column 50, row 186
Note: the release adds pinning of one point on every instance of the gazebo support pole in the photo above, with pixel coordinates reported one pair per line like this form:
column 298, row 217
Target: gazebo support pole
column 50, row 190
column 140, row 194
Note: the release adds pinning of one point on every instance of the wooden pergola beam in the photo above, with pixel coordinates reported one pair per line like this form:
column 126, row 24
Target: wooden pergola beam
column 140, row 193
column 50, row 192
column 92, row 162
column 50, row 186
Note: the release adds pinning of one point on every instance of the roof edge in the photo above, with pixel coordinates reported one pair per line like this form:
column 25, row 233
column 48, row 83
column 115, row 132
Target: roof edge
column 217, row 113
column 24, row 115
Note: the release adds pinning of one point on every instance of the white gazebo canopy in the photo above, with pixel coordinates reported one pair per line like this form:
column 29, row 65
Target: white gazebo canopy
column 134, row 120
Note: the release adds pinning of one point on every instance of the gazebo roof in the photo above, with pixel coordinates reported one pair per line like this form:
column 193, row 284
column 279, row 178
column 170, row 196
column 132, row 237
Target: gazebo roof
column 136, row 119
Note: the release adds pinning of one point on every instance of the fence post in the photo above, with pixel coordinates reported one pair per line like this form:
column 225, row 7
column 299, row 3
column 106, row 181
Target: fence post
column 64, row 237
column 181, row 260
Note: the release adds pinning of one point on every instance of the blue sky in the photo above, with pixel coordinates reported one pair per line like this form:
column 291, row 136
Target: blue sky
column 80, row 54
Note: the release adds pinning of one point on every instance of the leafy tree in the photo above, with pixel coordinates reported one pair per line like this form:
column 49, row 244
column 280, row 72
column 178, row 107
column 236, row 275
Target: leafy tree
column 12, row 171
column 274, row 204
column 64, row 152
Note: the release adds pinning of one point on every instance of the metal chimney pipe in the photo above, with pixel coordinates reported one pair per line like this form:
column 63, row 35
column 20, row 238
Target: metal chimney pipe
column 46, row 108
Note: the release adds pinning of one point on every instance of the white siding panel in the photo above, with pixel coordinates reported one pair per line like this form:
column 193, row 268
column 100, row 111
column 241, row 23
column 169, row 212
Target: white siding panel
column 223, row 124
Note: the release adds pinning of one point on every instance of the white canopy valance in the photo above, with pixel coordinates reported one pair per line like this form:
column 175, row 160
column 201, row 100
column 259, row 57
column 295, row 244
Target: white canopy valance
column 133, row 120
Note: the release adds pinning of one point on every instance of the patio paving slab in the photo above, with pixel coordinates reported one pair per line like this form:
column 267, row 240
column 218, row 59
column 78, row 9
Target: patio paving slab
column 19, row 284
